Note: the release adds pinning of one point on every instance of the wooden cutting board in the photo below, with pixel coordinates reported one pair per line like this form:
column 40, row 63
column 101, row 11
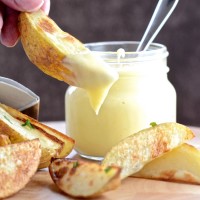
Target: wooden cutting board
column 41, row 187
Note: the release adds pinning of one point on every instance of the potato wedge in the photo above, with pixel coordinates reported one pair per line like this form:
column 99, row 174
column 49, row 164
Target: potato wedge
column 4, row 140
column 18, row 163
column 64, row 57
column 20, row 127
column 47, row 45
column 83, row 179
column 132, row 153
column 182, row 164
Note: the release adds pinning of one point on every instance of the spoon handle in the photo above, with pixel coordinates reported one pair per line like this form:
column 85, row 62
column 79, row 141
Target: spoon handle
column 162, row 12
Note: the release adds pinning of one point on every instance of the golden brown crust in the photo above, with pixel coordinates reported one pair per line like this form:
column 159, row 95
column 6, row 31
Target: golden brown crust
column 13, row 135
column 19, row 163
column 43, row 51
column 4, row 140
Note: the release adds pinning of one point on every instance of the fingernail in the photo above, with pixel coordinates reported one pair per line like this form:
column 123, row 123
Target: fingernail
column 29, row 7
column 8, row 43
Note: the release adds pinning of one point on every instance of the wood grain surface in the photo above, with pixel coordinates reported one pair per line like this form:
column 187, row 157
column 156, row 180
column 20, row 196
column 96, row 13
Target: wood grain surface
column 41, row 187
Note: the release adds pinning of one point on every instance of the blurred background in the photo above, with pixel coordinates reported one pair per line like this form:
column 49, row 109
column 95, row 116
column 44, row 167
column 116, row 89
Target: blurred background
column 97, row 20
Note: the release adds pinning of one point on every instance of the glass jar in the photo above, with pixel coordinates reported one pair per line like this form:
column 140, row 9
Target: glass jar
column 141, row 95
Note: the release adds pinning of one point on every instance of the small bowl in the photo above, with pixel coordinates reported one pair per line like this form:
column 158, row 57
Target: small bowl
column 19, row 97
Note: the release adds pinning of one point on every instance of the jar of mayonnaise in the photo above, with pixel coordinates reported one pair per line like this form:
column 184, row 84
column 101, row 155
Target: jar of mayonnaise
column 141, row 95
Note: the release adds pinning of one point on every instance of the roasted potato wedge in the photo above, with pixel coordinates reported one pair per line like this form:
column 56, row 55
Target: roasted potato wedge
column 135, row 151
column 18, row 163
column 20, row 127
column 4, row 140
column 182, row 164
column 58, row 53
column 83, row 179
column 47, row 45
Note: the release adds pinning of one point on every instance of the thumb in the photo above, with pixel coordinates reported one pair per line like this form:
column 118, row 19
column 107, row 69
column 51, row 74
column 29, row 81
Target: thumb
column 24, row 5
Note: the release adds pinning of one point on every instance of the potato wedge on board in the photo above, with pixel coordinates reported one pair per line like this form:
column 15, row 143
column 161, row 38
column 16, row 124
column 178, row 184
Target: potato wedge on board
column 132, row 153
column 182, row 164
column 64, row 57
column 83, row 179
column 4, row 140
column 18, row 163
column 20, row 127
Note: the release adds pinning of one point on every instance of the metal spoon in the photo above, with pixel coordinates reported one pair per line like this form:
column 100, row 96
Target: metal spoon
column 161, row 14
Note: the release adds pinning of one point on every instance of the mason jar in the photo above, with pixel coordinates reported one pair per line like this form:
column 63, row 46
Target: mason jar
column 141, row 95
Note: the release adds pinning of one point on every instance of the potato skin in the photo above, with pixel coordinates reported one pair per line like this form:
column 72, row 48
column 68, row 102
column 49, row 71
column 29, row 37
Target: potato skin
column 19, row 162
column 46, row 45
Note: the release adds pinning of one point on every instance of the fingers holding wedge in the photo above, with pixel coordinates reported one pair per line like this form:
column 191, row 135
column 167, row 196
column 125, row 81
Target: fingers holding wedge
column 83, row 179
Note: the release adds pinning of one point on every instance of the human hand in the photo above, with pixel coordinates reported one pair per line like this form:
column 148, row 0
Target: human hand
column 9, row 11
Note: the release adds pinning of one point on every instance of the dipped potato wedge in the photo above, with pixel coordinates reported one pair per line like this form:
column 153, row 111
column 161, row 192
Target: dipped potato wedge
column 57, row 53
column 20, row 127
column 135, row 151
column 18, row 163
column 83, row 179
column 62, row 56
column 47, row 45
column 182, row 164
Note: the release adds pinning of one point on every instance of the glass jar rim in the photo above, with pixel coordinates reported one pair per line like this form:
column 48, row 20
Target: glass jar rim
column 107, row 50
